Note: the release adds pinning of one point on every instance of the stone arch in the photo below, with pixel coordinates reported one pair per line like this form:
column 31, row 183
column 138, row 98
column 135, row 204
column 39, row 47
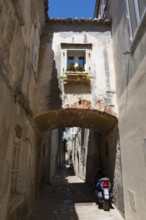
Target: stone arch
column 75, row 117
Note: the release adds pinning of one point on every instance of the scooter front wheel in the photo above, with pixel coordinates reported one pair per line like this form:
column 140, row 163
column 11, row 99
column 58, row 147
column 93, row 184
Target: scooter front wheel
column 106, row 205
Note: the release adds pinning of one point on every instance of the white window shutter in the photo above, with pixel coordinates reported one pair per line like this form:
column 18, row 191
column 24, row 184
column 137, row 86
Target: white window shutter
column 141, row 6
column 133, row 16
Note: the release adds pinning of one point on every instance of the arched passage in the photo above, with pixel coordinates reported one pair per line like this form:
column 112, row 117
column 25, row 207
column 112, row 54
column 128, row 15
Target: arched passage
column 102, row 141
column 70, row 117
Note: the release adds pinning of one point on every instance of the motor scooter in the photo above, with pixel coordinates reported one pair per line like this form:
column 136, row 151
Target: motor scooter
column 103, row 193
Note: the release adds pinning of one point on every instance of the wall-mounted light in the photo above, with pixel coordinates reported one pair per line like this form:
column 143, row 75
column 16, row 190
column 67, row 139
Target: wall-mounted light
column 89, row 54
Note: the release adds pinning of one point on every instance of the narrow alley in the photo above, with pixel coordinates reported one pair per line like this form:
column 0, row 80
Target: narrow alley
column 68, row 197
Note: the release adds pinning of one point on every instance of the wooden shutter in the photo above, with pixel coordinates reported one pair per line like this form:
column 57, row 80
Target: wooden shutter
column 133, row 16
column 141, row 6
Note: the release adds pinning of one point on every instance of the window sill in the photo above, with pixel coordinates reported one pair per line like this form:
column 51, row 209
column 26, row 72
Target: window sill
column 139, row 33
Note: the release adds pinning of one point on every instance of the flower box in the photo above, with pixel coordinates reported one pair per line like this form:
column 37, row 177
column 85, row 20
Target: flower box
column 77, row 77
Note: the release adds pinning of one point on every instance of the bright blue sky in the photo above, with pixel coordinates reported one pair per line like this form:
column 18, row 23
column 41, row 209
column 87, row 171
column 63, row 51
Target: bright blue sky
column 71, row 8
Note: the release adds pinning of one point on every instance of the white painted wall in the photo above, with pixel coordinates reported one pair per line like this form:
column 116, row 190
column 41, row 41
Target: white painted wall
column 132, row 122
column 100, row 62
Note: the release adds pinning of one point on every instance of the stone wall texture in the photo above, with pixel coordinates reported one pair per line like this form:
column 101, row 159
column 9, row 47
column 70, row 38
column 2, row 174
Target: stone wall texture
column 21, row 23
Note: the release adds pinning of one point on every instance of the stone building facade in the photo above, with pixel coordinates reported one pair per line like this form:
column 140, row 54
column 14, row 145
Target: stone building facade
column 24, row 151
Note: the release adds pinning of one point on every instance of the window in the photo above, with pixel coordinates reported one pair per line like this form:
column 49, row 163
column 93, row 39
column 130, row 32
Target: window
column 136, row 9
column 78, row 54
column 70, row 60
column 15, row 160
column 77, row 57
column 82, row 61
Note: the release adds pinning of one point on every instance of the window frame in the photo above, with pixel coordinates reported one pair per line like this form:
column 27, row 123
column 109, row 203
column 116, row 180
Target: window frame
column 66, row 47
column 140, row 20
column 76, row 57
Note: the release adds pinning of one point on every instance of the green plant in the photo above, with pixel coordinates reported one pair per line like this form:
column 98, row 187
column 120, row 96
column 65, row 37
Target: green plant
column 71, row 66
column 80, row 68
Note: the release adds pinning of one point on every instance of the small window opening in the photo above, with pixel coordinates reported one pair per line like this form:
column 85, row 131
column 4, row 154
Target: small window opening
column 70, row 60
column 82, row 61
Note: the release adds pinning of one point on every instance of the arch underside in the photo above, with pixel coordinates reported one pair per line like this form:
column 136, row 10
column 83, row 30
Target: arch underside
column 85, row 118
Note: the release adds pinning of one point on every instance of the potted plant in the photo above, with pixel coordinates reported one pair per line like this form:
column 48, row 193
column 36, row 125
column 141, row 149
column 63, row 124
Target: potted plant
column 71, row 67
column 79, row 68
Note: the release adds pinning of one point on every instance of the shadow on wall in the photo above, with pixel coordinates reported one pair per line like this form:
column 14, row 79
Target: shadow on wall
column 94, row 158
column 55, row 100
column 54, row 91
column 48, row 88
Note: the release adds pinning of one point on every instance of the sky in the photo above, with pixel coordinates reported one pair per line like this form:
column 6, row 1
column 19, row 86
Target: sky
column 71, row 8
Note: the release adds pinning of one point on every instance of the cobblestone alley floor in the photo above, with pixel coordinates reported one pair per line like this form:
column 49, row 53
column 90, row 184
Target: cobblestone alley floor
column 69, row 198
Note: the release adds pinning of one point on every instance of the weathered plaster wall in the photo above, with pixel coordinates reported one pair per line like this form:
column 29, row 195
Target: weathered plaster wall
column 6, row 140
column 102, row 90
column 79, row 148
column 131, row 81
column 132, row 136
column 113, row 165
column 48, row 93
column 94, row 157
column 20, row 30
